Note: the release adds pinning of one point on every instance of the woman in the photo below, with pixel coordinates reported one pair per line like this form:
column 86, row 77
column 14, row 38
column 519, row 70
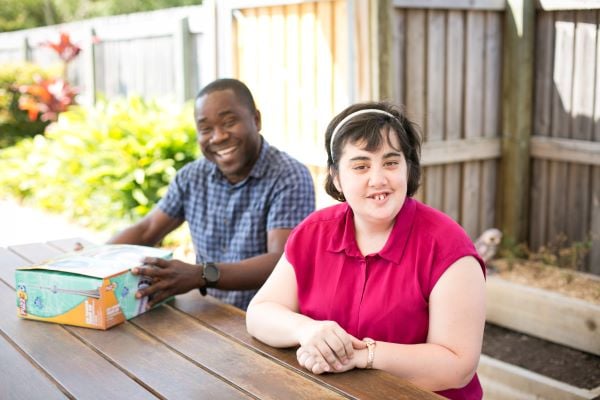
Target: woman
column 381, row 280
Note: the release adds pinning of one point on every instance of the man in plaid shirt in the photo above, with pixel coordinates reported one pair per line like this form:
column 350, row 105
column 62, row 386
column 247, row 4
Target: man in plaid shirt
column 240, row 201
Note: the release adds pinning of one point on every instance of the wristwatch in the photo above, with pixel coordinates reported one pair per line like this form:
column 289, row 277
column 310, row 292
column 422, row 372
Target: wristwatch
column 210, row 274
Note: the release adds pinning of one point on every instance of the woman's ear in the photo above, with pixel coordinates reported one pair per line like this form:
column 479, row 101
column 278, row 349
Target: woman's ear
column 335, row 179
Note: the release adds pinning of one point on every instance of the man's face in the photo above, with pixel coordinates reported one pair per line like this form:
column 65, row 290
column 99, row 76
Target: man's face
column 228, row 133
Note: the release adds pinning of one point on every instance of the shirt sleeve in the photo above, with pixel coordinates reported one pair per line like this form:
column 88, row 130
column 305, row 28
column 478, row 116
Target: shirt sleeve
column 455, row 245
column 172, row 203
column 294, row 198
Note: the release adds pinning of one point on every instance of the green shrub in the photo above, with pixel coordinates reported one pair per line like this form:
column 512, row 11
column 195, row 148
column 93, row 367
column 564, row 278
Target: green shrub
column 103, row 164
column 14, row 123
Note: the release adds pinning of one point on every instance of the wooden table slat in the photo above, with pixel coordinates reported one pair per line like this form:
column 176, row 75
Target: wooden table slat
column 79, row 369
column 19, row 379
column 67, row 245
column 36, row 252
column 230, row 321
column 8, row 262
column 232, row 361
column 151, row 362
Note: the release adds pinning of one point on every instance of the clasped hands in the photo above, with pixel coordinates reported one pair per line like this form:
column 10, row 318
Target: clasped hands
column 326, row 347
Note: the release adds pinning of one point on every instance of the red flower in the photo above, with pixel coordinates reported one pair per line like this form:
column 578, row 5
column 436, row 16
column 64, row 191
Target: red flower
column 65, row 49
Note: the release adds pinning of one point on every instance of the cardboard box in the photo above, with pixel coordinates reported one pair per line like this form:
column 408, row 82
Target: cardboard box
column 93, row 288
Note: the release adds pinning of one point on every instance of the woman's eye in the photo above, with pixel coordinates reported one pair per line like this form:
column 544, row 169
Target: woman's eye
column 391, row 163
column 359, row 167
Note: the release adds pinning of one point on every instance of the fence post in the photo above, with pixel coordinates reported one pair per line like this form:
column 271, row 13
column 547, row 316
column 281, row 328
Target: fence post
column 517, row 116
column 381, row 34
column 25, row 51
column 89, row 61
column 182, row 60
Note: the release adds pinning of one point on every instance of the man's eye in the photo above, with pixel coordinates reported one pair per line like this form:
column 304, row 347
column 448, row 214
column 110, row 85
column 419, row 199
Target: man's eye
column 229, row 123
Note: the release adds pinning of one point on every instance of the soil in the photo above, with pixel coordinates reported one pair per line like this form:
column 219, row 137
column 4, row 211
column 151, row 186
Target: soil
column 577, row 368
column 565, row 281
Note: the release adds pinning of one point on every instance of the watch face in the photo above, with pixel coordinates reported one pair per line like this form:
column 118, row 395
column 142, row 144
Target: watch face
column 211, row 273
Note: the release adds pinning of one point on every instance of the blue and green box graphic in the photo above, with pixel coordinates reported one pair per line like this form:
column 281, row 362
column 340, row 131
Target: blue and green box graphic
column 93, row 288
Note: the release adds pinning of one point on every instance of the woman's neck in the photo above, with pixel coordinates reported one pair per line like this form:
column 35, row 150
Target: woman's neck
column 371, row 237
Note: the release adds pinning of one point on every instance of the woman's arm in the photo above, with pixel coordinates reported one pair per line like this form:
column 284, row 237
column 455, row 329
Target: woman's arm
column 272, row 317
column 456, row 321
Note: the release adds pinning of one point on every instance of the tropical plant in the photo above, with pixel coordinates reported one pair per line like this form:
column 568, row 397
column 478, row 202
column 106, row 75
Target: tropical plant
column 111, row 162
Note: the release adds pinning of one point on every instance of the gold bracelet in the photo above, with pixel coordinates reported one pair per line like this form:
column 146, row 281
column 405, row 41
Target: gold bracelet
column 371, row 347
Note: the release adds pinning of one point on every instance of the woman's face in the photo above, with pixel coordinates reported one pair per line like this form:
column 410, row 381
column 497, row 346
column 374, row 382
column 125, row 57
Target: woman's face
column 373, row 183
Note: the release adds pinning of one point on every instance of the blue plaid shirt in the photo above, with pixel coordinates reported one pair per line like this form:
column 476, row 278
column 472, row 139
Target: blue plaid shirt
column 229, row 222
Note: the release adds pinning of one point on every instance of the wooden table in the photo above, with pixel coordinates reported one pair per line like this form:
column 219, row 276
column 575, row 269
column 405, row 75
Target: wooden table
column 193, row 348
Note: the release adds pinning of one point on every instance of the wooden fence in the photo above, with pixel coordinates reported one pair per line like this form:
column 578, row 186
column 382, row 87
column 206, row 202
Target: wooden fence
column 565, row 146
column 166, row 54
column 512, row 134
column 448, row 75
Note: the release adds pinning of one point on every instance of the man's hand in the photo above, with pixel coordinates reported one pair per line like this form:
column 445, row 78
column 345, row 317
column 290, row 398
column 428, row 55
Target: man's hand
column 169, row 278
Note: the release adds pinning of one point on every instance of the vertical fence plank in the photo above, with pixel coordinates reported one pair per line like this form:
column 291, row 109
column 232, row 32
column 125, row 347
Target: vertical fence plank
column 473, row 117
column 594, row 258
column 264, row 83
column 561, row 119
column 341, row 55
column 436, row 32
column 415, row 74
column 307, row 75
column 491, row 117
column 292, row 62
column 578, row 187
column 278, row 84
column 362, row 18
column 544, row 92
column 399, row 57
column 324, row 64
column 455, row 39
column 253, row 48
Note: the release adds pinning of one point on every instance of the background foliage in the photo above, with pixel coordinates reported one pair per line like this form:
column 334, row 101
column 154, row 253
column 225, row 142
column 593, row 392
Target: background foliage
column 14, row 123
column 103, row 164
column 24, row 14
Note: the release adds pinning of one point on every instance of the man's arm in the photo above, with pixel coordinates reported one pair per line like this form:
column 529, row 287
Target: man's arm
column 175, row 277
column 252, row 272
column 149, row 230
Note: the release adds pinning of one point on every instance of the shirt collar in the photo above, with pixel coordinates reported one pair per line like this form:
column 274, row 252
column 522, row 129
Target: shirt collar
column 344, row 237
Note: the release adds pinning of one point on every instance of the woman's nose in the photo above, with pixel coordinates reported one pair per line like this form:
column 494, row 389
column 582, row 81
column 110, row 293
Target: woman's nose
column 377, row 177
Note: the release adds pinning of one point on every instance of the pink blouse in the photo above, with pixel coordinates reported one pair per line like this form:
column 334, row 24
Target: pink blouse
column 384, row 296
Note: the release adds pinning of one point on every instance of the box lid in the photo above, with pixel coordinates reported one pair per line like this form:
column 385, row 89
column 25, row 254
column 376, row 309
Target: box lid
column 101, row 261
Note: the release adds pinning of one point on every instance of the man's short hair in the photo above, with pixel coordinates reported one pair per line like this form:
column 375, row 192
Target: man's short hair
column 240, row 90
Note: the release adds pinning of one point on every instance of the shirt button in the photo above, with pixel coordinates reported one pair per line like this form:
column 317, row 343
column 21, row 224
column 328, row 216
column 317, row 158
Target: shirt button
column 225, row 220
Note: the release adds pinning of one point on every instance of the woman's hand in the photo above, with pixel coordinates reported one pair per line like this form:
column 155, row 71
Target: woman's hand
column 326, row 347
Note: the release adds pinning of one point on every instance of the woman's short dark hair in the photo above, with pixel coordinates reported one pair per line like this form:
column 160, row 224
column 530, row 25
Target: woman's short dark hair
column 368, row 127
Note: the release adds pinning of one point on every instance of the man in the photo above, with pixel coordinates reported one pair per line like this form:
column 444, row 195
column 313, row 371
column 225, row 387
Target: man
column 241, row 202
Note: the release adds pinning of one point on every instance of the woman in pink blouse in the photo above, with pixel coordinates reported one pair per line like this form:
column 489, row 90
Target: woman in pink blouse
column 381, row 280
